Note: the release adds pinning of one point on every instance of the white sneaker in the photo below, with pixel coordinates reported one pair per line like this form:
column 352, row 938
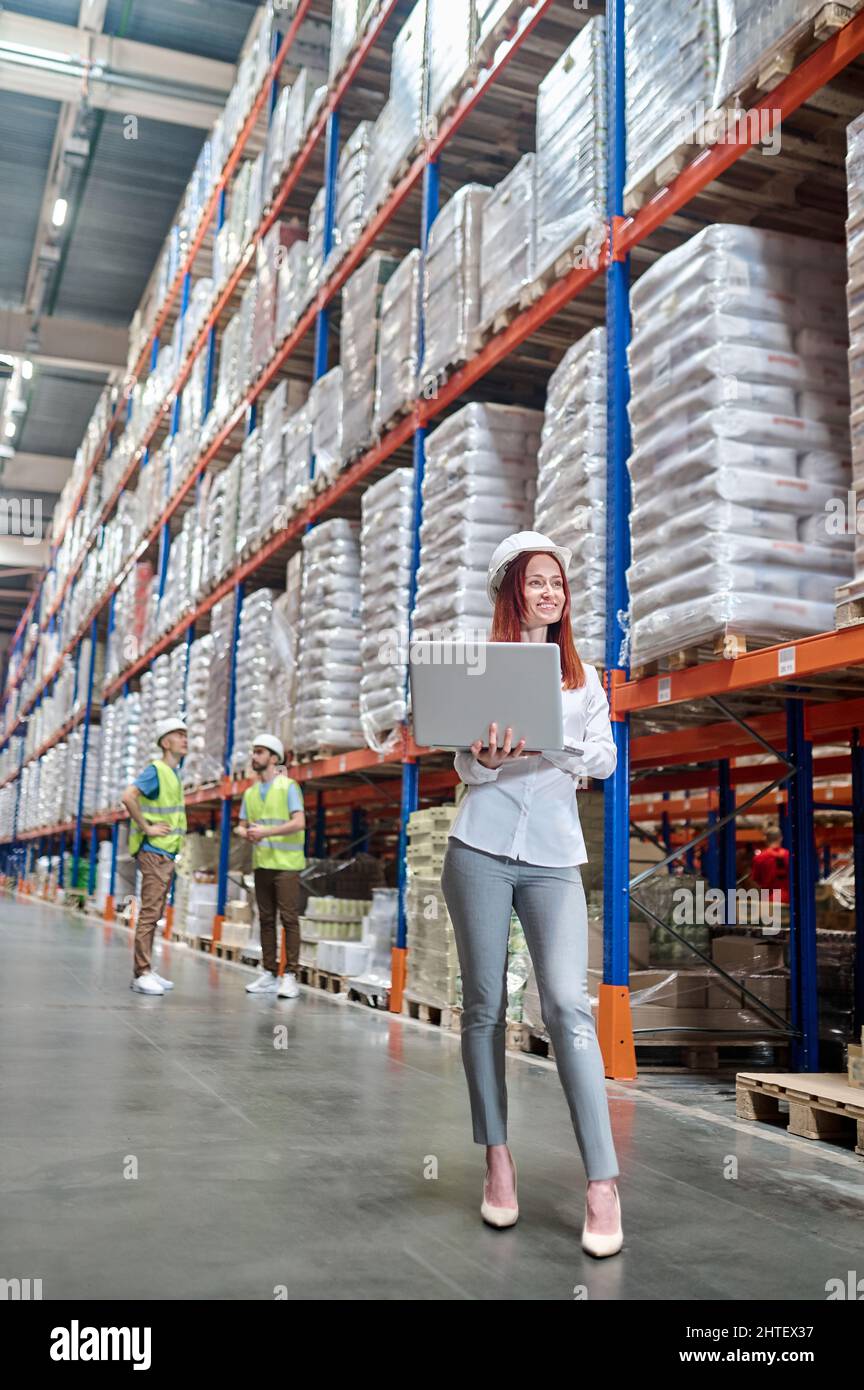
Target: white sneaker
column 147, row 984
column 264, row 985
column 166, row 984
column 288, row 986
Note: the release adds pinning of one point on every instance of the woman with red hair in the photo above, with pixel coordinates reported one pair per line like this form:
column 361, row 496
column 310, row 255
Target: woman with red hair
column 516, row 843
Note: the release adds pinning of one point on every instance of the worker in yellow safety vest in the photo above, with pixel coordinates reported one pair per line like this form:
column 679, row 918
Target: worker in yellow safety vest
column 158, row 813
column 272, row 819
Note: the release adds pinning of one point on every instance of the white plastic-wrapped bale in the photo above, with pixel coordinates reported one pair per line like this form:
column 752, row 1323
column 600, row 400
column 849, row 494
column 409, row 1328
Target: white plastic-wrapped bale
column 855, row 301
column 248, row 494
column 671, row 72
column 398, row 131
column 451, row 281
column 228, row 376
column 571, row 151
column 740, row 406
column 113, row 726
column 327, row 714
column 257, row 675
column 246, row 364
column 325, row 413
column 479, row 484
column 508, row 253
column 195, row 766
column 344, row 20
column 222, row 632
column 386, row 550
column 147, row 723
column 293, row 292
column 351, row 187
column 307, row 95
column 570, row 506
column 298, row 459
column 359, row 338
column 450, row 42
column 756, row 36
column 272, row 250
column 315, row 243
column 398, row 342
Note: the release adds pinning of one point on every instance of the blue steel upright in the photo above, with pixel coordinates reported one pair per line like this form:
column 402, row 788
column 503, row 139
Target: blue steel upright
column 858, row 861
column 410, row 796
column 331, row 169
column 616, row 868
column 728, row 875
column 76, row 855
column 225, row 820
column 802, row 888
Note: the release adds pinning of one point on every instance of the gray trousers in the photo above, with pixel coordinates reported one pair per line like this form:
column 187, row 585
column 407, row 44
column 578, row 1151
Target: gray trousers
column 480, row 889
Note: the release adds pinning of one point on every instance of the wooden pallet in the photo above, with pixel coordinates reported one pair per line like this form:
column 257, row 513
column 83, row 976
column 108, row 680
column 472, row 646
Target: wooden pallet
column 777, row 65
column 373, row 998
column 322, row 979
column 536, row 1042
column 696, row 1054
column 394, row 419
column 661, row 176
column 502, row 29
column 495, row 325
column 850, row 603
column 822, row 1105
column 445, row 1016
column 571, row 259
column 726, row 645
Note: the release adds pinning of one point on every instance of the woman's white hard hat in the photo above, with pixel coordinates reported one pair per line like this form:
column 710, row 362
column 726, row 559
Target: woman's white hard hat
column 271, row 743
column 518, row 544
column 169, row 726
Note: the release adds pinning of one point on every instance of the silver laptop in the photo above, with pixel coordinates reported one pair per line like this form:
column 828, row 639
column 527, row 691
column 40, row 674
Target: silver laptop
column 459, row 688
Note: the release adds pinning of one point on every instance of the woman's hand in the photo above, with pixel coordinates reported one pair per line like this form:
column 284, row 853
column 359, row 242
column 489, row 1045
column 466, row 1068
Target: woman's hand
column 494, row 756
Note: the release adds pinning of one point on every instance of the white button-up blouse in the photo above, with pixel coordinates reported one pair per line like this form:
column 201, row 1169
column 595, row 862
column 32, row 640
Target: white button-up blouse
column 527, row 809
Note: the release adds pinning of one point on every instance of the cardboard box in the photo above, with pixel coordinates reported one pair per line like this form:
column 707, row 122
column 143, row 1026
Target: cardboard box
column 773, row 989
column 855, row 1064
column 639, row 945
column 674, row 989
column 719, row 1020
column 746, row 953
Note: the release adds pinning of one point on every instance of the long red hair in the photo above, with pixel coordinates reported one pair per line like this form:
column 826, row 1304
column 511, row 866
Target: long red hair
column 511, row 613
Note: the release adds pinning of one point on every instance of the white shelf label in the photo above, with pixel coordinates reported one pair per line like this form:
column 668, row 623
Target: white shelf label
column 786, row 661
column 664, row 689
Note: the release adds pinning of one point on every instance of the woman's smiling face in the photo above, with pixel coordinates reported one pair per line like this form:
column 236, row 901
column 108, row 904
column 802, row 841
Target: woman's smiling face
column 544, row 591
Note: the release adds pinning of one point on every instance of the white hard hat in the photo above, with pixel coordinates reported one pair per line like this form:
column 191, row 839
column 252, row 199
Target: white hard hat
column 271, row 742
column 169, row 726
column 518, row 544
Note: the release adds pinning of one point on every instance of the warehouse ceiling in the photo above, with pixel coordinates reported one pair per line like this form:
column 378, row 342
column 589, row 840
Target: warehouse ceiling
column 67, row 294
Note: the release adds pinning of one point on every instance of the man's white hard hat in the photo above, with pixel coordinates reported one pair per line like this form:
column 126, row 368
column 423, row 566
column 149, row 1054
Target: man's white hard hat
column 515, row 545
column 174, row 725
column 271, row 742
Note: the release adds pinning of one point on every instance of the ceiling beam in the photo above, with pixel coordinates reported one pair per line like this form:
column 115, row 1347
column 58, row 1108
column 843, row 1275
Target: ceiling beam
column 19, row 552
column 62, row 342
column 91, row 15
column 44, row 473
column 43, row 58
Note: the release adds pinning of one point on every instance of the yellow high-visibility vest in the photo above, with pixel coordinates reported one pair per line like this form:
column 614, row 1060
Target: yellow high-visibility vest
column 277, row 851
column 168, row 806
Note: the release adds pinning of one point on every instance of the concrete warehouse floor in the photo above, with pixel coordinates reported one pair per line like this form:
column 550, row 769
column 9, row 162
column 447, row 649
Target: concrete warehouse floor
column 303, row 1167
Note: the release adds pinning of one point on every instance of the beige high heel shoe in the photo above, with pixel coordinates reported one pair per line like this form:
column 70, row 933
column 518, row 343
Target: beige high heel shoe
column 499, row 1216
column 601, row 1245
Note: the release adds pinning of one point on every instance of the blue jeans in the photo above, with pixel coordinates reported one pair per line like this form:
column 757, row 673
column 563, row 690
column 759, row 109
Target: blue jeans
column 480, row 889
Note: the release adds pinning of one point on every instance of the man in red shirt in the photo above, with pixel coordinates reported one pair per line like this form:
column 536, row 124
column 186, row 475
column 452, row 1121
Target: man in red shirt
column 770, row 868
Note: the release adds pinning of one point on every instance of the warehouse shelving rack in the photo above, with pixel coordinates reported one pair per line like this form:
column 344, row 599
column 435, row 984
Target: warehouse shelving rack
column 788, row 734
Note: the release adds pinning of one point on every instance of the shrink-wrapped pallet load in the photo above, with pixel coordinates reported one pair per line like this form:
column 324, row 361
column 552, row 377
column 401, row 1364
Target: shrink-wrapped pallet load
column 571, row 484
column 739, row 413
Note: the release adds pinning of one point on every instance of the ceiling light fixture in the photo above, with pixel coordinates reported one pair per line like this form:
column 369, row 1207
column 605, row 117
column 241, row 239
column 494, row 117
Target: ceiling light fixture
column 58, row 216
column 27, row 370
